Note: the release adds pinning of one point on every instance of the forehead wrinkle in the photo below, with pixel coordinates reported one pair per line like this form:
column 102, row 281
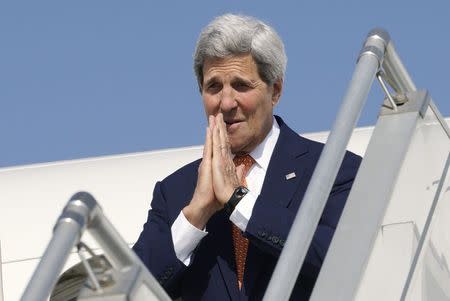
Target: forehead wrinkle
column 232, row 76
column 242, row 65
column 229, row 69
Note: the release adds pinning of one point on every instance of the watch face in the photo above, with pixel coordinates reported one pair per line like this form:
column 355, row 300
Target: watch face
column 241, row 191
column 238, row 194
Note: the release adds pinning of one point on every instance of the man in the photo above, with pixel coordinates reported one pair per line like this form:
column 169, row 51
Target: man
column 215, row 231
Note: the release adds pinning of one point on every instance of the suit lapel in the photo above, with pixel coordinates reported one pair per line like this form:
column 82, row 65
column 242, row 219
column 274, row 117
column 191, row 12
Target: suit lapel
column 289, row 156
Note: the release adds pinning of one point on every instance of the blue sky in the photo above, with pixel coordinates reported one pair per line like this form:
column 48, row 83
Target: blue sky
column 90, row 78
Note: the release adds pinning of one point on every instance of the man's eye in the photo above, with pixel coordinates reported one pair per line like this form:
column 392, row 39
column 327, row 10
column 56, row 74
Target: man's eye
column 241, row 86
column 214, row 87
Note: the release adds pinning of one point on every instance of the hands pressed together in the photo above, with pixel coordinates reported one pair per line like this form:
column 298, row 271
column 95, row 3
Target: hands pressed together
column 217, row 175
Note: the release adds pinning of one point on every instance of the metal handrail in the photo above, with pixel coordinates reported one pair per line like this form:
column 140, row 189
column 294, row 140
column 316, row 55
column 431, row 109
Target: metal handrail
column 378, row 52
column 81, row 213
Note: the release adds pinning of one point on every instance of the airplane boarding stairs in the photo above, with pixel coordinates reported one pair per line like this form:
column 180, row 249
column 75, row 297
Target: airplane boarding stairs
column 392, row 241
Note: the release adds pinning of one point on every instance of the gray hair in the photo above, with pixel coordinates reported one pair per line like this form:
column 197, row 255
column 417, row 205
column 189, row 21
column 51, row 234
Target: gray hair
column 230, row 35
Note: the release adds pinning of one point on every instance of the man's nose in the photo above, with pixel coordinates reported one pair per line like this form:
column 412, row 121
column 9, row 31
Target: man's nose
column 228, row 99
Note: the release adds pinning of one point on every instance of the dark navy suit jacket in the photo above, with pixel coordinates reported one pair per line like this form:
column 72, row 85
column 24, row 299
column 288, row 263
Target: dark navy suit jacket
column 211, row 274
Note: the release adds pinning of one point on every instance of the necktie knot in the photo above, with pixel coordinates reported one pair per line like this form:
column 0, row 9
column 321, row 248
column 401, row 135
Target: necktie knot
column 246, row 160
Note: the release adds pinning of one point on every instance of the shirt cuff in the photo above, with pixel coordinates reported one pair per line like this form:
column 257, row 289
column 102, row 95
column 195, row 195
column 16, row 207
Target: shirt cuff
column 243, row 211
column 185, row 238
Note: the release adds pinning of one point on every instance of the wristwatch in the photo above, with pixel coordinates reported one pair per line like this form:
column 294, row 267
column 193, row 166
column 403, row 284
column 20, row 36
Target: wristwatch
column 236, row 197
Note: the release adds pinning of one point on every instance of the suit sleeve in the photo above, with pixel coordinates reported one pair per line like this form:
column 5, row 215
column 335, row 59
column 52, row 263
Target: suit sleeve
column 155, row 246
column 270, row 222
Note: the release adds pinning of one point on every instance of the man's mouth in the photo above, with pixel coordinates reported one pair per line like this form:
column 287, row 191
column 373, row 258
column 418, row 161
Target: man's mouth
column 232, row 125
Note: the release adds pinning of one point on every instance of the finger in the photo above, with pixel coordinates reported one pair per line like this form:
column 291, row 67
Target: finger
column 209, row 138
column 212, row 121
column 216, row 152
column 224, row 145
column 240, row 172
column 205, row 165
column 207, row 152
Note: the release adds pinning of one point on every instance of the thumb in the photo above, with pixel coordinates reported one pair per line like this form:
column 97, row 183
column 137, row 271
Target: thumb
column 240, row 172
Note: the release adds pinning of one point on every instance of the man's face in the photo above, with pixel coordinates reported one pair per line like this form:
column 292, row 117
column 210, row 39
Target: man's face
column 233, row 87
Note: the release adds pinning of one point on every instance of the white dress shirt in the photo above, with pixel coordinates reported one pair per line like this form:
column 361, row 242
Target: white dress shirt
column 186, row 237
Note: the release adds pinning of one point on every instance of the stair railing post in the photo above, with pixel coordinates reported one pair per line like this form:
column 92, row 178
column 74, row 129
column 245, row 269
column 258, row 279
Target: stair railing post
column 308, row 216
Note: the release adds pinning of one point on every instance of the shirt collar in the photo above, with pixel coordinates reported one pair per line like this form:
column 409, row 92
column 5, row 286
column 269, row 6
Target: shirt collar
column 263, row 152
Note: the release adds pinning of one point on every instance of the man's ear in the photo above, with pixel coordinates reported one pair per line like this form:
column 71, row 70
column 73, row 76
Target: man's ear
column 276, row 93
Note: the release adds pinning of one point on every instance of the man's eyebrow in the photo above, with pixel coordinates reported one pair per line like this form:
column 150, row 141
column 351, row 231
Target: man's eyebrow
column 234, row 79
column 210, row 80
column 248, row 81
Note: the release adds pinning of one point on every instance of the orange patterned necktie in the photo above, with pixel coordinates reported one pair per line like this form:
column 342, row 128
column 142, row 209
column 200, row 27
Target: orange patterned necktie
column 240, row 243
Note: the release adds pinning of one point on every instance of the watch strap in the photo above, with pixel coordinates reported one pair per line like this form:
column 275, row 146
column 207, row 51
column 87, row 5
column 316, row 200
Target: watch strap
column 235, row 198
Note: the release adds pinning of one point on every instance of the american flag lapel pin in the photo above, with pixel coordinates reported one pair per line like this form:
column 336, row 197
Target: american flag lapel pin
column 290, row 176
